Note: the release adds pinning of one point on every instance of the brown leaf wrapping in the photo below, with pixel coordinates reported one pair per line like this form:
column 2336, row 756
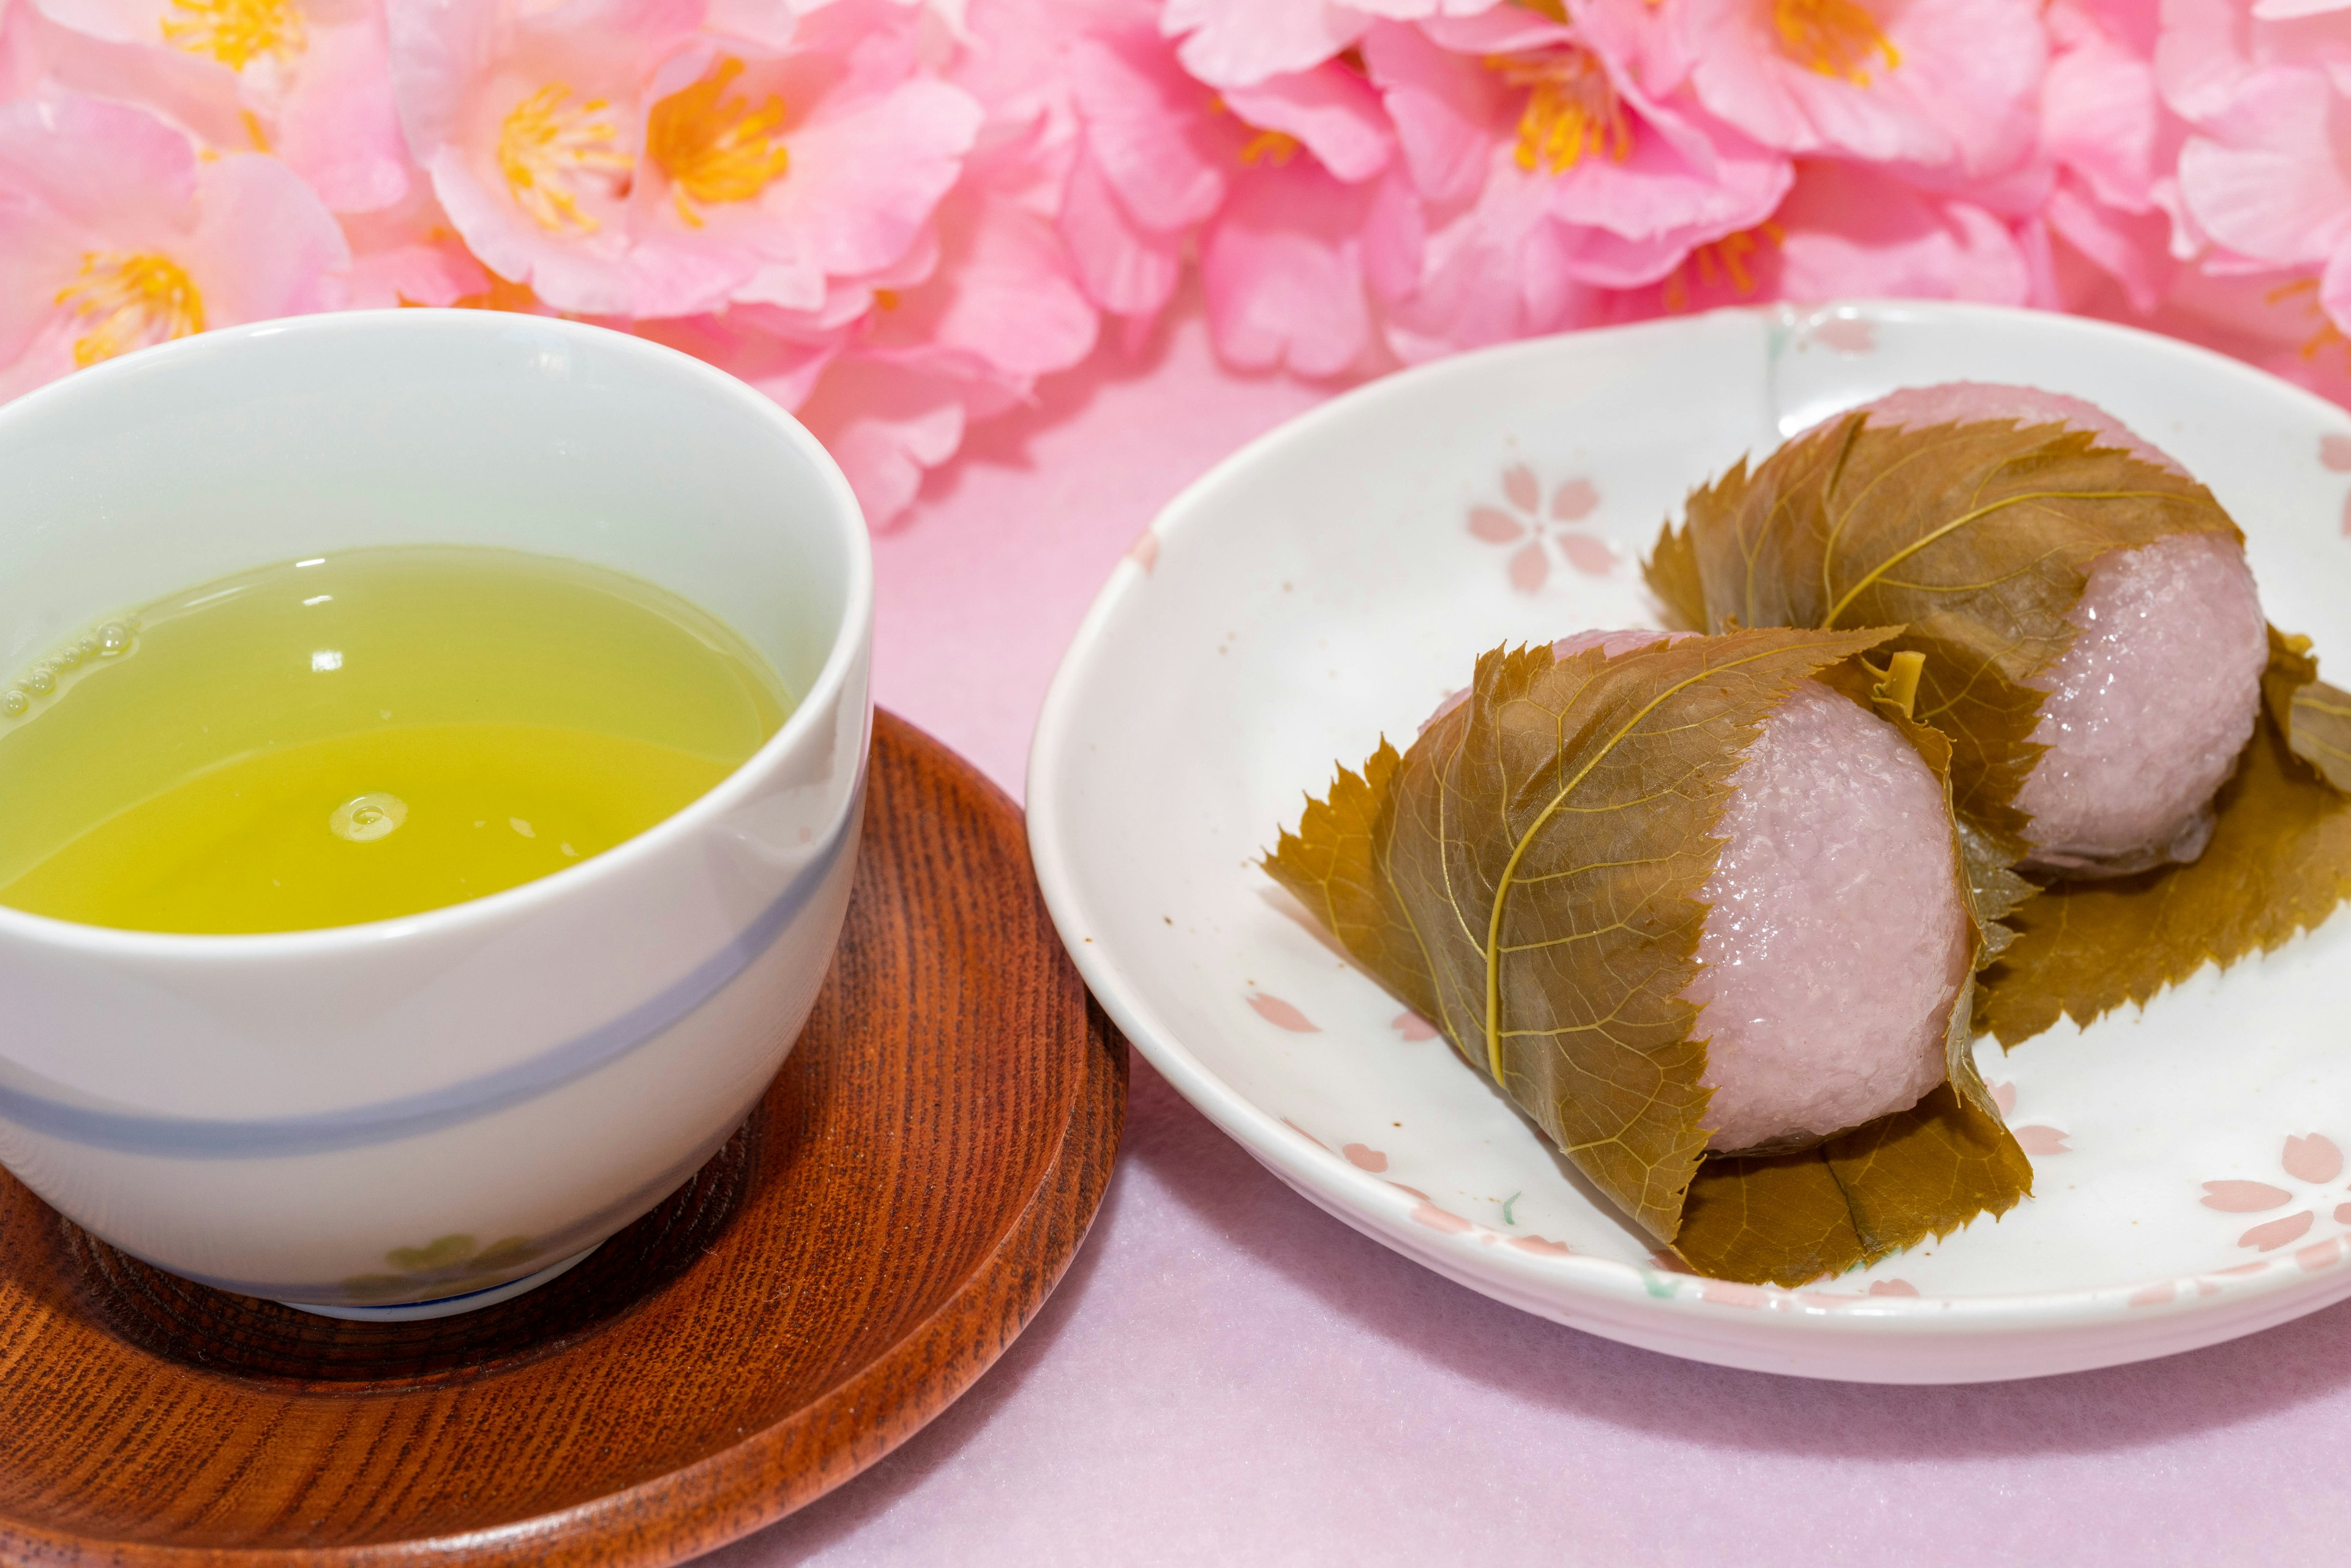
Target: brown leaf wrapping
column 2279, row 863
column 1527, row 876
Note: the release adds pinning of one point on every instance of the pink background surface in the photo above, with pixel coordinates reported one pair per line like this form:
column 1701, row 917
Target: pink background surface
column 1228, row 1375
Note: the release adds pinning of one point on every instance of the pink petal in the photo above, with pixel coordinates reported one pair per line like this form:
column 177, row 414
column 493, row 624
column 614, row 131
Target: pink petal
column 1589, row 556
column 2274, row 188
column 1144, row 551
column 1409, row 1191
column 1443, row 106
column 1233, row 43
column 2100, row 114
column 2243, row 1197
column 1493, row 526
column 2314, row 1158
column 886, row 426
column 1853, row 335
column 1281, row 1014
column 2004, row 1096
column 1305, row 1135
column 339, row 128
column 2342, row 1214
column 1519, row 485
column 2334, row 452
column 1436, row 1219
column 1575, row 499
column 2037, row 1140
column 1126, row 269
column 2153, row 1296
column 1541, row 1247
column 1412, row 1026
column 1282, row 271
column 1003, row 290
column 2319, row 1255
column 2277, row 1232
column 1529, row 569
column 1365, row 1159
column 1331, row 110
column 1892, row 1288
column 1146, row 126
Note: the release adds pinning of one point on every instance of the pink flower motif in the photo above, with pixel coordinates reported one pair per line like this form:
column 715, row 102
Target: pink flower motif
column 1281, row 1014
column 1549, row 173
column 1942, row 85
column 2034, row 1138
column 308, row 83
column 1363, row 1157
column 1537, row 531
column 638, row 158
column 1284, row 186
column 114, row 236
column 2313, row 1161
column 1413, row 1027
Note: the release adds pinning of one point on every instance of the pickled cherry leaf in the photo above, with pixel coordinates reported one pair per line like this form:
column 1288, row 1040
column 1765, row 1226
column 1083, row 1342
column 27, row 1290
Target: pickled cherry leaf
column 1527, row 876
column 2279, row 863
column 1974, row 537
column 2315, row 716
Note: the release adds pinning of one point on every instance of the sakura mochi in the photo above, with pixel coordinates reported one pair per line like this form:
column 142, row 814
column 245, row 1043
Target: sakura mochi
column 1695, row 904
column 2149, row 709
column 1835, row 937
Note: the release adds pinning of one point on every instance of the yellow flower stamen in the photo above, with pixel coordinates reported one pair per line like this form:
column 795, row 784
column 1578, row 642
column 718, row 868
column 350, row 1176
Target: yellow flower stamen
column 1724, row 260
column 715, row 148
column 545, row 149
column 1571, row 109
column 2328, row 335
column 130, row 302
column 1273, row 147
column 1834, row 37
column 235, row 32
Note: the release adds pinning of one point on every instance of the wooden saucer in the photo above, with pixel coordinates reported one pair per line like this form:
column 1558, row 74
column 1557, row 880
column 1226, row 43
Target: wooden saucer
column 897, row 1209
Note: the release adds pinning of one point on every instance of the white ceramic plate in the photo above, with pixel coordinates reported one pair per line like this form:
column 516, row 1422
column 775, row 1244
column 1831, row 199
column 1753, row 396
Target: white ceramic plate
column 1339, row 577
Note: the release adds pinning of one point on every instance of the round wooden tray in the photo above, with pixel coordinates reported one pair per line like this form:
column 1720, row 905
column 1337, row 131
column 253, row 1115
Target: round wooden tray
column 894, row 1211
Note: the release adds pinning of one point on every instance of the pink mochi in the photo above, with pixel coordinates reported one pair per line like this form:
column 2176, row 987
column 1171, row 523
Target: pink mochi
column 2149, row 708
column 1836, row 938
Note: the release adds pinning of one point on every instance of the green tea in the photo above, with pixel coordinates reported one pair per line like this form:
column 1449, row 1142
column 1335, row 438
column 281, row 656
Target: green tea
column 363, row 736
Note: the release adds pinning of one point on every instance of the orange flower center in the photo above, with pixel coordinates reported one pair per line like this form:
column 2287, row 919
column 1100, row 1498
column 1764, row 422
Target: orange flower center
column 1834, row 37
column 547, row 152
column 130, row 302
column 1571, row 109
column 1723, row 261
column 235, row 32
column 715, row 148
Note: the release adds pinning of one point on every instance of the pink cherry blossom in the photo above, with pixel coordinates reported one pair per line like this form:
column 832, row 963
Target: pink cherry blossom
column 2266, row 177
column 114, row 236
column 2110, row 144
column 1289, row 186
column 1240, row 43
column 629, row 158
column 1549, row 173
column 1000, row 308
column 309, row 82
column 1943, row 84
column 1847, row 232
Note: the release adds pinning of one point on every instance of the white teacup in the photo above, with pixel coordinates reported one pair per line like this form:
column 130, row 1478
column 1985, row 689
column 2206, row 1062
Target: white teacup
column 428, row 1114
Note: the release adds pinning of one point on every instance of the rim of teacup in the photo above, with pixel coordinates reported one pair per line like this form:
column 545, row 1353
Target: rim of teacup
column 855, row 628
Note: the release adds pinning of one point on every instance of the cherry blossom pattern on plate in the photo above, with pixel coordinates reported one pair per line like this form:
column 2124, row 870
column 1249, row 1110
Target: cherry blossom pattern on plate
column 1426, row 1211
column 1412, row 1026
column 1281, row 1014
column 2334, row 456
column 1536, row 530
column 2036, row 1138
column 2313, row 1163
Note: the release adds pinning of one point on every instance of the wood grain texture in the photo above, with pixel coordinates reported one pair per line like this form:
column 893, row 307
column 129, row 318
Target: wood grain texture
column 903, row 1200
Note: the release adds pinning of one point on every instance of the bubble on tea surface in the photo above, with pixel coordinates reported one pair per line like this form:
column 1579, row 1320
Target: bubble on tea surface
column 364, row 819
column 114, row 638
column 15, row 701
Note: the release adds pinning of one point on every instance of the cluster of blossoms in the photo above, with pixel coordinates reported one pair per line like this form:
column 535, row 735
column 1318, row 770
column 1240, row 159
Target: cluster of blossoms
column 895, row 215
